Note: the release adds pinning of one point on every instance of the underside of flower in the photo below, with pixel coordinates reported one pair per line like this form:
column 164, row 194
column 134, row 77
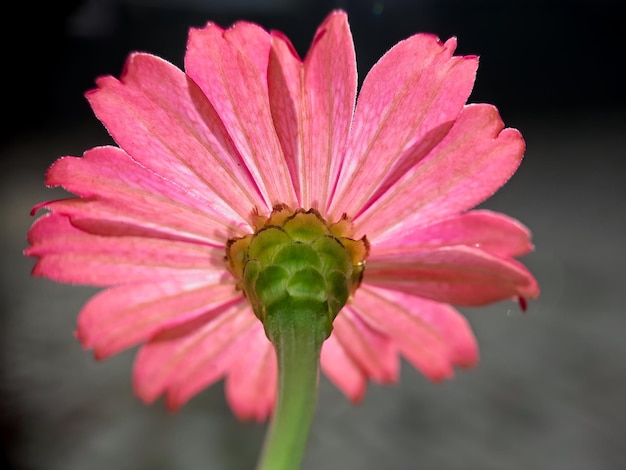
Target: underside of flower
column 295, row 260
column 249, row 123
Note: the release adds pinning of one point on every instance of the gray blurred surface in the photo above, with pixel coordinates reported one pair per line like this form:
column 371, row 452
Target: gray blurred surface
column 548, row 393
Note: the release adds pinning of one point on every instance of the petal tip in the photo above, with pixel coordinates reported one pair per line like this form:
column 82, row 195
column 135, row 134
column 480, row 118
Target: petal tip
column 172, row 403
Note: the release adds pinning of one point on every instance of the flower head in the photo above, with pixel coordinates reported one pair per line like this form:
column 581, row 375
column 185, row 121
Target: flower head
column 206, row 155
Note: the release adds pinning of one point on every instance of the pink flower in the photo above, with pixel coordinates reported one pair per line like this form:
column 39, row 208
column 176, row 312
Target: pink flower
column 249, row 125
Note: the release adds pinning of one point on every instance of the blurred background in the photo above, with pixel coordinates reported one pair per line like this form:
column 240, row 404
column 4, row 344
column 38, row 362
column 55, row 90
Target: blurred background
column 550, row 390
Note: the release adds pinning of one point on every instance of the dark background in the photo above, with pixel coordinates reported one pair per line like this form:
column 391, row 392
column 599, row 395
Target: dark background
column 550, row 389
column 536, row 56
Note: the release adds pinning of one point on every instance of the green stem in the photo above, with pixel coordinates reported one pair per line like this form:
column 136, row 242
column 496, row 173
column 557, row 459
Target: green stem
column 298, row 339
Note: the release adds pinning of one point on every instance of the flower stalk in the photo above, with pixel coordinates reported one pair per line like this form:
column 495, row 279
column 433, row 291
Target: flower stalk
column 297, row 338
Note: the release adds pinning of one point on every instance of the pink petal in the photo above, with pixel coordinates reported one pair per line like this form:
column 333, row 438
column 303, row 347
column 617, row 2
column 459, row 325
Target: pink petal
column 342, row 370
column 371, row 350
column 285, row 90
column 163, row 120
column 451, row 326
column 120, row 317
column 187, row 358
column 252, row 380
column 418, row 340
column 330, row 82
column 68, row 254
column 231, row 67
column 408, row 100
column 492, row 232
column 458, row 275
column 141, row 219
column 475, row 159
column 109, row 175
column 251, row 41
column 313, row 106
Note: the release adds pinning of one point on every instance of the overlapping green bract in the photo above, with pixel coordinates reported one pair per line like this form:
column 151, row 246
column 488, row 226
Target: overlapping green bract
column 296, row 262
